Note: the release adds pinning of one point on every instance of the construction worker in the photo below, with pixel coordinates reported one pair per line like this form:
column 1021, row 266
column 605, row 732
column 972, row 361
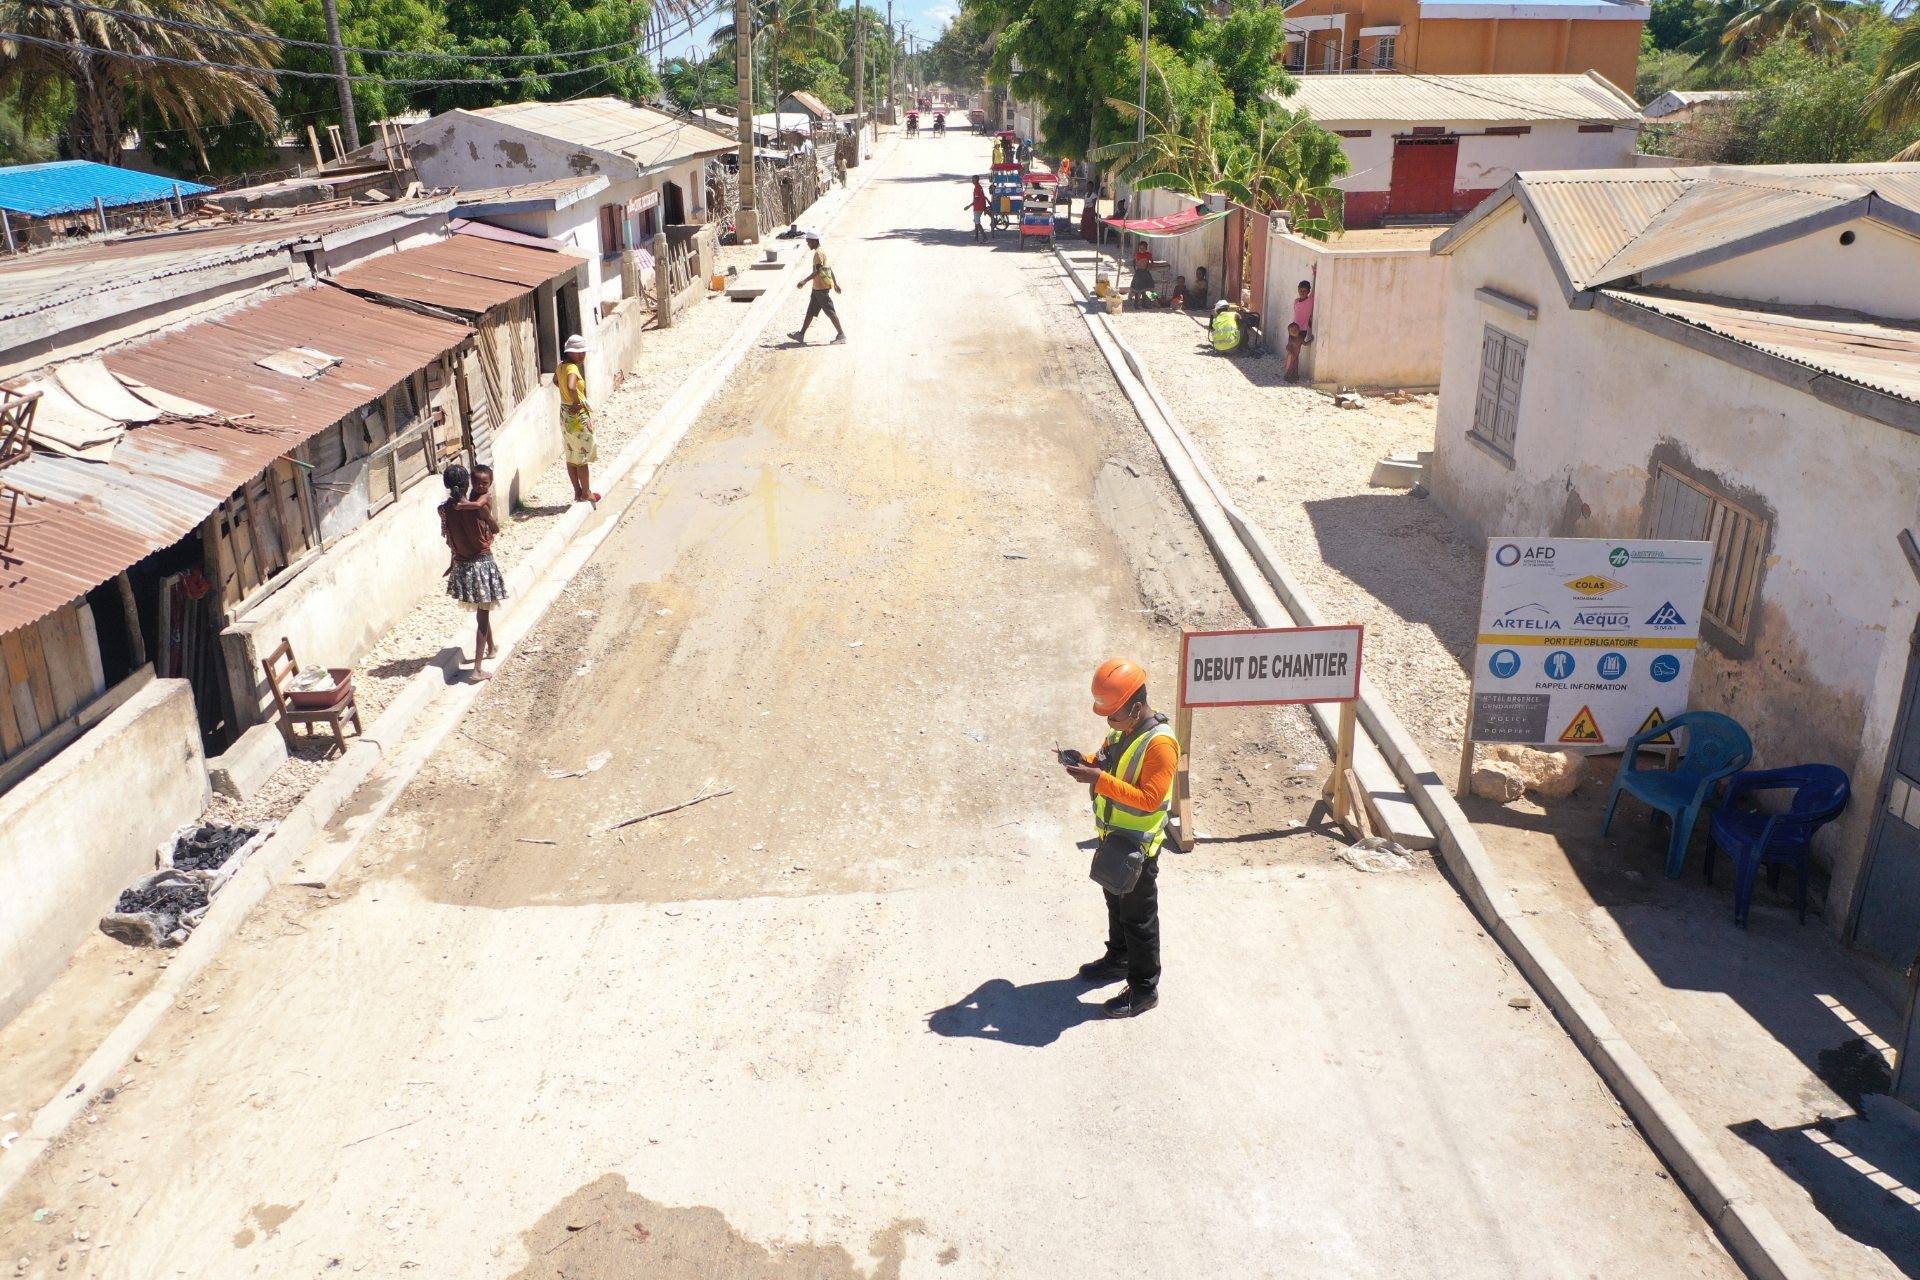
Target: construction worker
column 1132, row 780
column 1225, row 329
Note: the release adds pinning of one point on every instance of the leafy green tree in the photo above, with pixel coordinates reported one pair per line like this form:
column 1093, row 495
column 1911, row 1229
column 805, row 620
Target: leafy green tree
column 1894, row 98
column 104, row 76
column 1821, row 24
column 959, row 58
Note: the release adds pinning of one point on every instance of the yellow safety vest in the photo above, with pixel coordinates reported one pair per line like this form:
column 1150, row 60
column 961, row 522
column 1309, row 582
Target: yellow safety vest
column 1148, row 826
column 1226, row 330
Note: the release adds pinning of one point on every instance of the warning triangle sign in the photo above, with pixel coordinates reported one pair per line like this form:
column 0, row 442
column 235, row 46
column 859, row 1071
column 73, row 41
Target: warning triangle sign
column 1653, row 721
column 1584, row 728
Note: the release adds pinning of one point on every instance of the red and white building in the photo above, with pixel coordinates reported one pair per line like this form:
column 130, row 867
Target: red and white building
column 1430, row 148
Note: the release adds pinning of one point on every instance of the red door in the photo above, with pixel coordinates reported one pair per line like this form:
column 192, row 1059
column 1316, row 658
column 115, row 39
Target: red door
column 1423, row 175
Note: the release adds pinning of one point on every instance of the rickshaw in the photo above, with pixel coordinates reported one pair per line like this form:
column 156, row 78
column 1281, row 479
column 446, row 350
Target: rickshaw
column 1007, row 196
column 913, row 124
column 1036, row 216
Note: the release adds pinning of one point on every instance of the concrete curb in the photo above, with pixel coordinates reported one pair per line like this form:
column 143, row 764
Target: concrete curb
column 1751, row 1232
column 537, row 580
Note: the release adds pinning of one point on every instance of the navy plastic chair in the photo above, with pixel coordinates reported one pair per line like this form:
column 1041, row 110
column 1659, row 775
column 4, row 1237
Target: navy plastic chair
column 1775, row 840
column 1717, row 747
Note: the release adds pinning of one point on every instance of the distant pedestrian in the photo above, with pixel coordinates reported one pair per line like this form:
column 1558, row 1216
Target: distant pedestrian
column 1303, row 307
column 1090, row 219
column 1297, row 339
column 473, row 579
column 824, row 287
column 576, row 421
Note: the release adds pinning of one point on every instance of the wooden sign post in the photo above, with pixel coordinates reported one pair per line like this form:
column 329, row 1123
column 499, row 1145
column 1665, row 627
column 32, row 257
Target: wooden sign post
column 1273, row 667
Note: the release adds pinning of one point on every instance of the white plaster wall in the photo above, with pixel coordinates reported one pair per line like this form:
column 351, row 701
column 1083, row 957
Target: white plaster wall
column 1820, row 677
column 78, row 829
column 1484, row 161
column 1183, row 254
column 1378, row 315
column 1877, row 273
column 340, row 605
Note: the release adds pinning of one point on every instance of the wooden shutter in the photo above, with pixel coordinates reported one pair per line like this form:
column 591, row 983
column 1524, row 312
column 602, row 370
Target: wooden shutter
column 1686, row 510
column 1493, row 351
column 1506, row 422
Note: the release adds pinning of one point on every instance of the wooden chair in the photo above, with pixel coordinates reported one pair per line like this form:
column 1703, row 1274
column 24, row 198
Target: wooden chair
column 281, row 666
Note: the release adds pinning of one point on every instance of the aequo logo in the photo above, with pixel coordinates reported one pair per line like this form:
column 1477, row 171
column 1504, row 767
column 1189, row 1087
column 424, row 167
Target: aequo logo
column 1603, row 619
column 1666, row 616
column 1595, row 584
column 1617, row 557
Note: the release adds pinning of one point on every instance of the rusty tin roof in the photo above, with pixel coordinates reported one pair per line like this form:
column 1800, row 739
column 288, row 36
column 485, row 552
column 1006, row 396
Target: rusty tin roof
column 165, row 477
column 462, row 273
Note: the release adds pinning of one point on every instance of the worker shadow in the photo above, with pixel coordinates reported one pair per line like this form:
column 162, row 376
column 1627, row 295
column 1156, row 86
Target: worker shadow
column 1034, row 1015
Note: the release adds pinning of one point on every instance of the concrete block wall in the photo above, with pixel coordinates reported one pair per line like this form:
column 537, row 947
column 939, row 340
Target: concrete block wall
column 85, row 824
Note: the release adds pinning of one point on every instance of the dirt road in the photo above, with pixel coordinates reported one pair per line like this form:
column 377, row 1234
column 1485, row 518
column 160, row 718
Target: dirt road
column 825, row 1026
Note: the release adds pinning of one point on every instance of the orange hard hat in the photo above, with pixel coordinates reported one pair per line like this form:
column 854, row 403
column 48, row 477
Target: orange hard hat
column 1114, row 685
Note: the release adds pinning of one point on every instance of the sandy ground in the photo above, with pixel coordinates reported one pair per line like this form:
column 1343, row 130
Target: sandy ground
column 1299, row 468
column 826, row 1025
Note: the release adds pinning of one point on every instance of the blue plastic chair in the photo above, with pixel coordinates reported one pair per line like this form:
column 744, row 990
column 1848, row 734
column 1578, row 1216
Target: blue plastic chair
column 1717, row 747
column 1774, row 840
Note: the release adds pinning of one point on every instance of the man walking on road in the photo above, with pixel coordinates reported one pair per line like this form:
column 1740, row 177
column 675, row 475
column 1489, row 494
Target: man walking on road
column 979, row 206
column 1132, row 777
column 824, row 287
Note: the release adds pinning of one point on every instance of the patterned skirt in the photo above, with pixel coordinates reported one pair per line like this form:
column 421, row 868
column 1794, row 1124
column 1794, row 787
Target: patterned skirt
column 477, row 584
column 576, row 435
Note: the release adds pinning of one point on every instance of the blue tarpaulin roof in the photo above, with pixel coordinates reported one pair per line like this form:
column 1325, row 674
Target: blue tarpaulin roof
column 69, row 186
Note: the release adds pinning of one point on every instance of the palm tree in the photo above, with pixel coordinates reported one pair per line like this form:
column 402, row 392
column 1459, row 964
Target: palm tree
column 1895, row 95
column 788, row 18
column 1823, row 24
column 97, row 54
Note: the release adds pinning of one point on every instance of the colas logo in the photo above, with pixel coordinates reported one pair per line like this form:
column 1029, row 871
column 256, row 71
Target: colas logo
column 1595, row 584
column 1528, row 617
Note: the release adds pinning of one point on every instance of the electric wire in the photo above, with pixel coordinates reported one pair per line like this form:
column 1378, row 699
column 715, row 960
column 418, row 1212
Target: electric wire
column 322, row 75
column 270, row 38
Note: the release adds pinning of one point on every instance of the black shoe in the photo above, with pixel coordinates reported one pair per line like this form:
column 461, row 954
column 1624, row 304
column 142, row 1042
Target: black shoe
column 1105, row 969
column 1134, row 1000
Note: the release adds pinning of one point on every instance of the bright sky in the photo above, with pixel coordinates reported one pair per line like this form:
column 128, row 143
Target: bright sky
column 922, row 19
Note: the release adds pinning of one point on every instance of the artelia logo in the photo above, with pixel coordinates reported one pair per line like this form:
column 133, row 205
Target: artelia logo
column 1617, row 557
column 1666, row 616
column 1507, row 556
column 1528, row 617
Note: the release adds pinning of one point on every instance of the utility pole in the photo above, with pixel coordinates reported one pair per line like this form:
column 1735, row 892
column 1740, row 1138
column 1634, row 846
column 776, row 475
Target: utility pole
column 746, row 220
column 340, row 74
column 859, row 80
column 893, row 56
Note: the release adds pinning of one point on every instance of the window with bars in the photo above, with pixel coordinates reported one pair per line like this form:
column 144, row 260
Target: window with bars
column 1496, row 409
column 1687, row 510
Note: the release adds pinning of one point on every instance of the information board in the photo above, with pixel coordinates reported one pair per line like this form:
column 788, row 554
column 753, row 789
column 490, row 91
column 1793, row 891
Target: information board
column 1585, row 642
column 1262, row 667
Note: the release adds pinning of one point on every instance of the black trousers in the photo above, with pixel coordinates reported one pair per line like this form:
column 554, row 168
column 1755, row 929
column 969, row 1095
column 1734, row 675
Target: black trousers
column 1133, row 927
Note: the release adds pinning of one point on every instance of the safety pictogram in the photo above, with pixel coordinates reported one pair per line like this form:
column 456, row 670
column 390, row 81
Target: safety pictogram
column 1653, row 721
column 1584, row 728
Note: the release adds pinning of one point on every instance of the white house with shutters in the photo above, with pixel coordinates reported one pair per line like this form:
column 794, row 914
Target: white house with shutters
column 1729, row 354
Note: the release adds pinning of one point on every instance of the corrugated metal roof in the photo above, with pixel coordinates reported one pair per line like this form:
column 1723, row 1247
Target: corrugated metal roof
column 651, row 139
column 528, row 197
column 47, row 278
column 1864, row 350
column 165, row 477
column 1468, row 99
column 1609, row 224
column 1591, row 219
column 463, row 273
column 71, row 186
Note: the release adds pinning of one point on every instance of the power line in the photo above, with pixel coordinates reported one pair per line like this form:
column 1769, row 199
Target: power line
column 318, row 75
column 269, row 38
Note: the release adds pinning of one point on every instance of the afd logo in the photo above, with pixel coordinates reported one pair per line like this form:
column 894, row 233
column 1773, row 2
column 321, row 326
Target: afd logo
column 1528, row 617
column 1511, row 554
column 1603, row 619
column 1666, row 616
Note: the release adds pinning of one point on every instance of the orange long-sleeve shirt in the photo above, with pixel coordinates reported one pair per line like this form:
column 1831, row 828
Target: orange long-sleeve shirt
column 1156, row 777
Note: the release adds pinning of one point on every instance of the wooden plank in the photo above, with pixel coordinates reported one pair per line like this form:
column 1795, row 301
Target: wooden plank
column 1182, row 790
column 90, row 650
column 39, row 679
column 60, row 647
column 10, row 739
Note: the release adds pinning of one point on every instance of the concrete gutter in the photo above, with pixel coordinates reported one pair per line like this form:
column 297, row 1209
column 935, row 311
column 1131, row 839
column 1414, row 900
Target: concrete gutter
column 1750, row 1231
column 295, row 845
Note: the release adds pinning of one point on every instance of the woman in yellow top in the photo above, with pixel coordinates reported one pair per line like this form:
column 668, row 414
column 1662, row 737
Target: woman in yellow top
column 576, row 420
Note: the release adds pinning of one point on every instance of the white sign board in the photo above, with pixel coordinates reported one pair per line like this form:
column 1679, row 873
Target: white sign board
column 1258, row 668
column 1584, row 642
